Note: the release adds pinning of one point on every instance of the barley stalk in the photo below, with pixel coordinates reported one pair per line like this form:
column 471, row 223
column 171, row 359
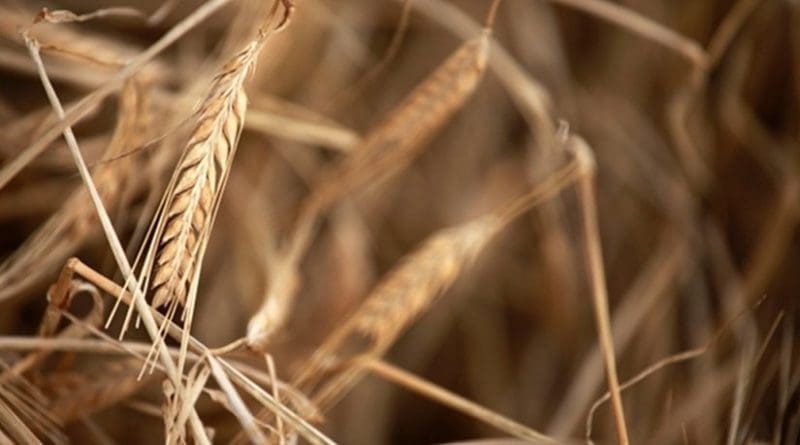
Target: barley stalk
column 173, row 259
column 198, row 181
column 193, row 195
column 394, row 143
column 413, row 286
column 385, row 151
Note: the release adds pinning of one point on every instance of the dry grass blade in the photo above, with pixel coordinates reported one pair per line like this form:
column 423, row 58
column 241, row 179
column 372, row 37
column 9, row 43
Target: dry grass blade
column 30, row 405
column 743, row 367
column 236, row 403
column 248, row 378
column 658, row 275
column 594, row 262
column 746, row 382
column 75, row 221
column 60, row 299
column 640, row 25
column 275, row 394
column 434, row 392
column 73, row 47
column 297, row 423
column 11, row 169
column 15, row 426
column 65, row 16
column 75, row 267
column 349, row 95
column 26, row 128
column 679, row 107
column 327, row 134
column 179, row 403
column 682, row 357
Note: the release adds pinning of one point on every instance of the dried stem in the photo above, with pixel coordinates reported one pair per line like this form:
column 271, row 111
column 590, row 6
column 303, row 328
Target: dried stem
column 594, row 261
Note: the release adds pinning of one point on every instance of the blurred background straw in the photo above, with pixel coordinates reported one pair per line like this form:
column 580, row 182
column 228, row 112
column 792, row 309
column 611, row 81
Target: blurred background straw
column 690, row 110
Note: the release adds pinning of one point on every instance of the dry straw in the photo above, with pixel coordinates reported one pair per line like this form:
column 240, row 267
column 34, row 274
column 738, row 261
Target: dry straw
column 520, row 353
column 69, row 227
column 79, row 394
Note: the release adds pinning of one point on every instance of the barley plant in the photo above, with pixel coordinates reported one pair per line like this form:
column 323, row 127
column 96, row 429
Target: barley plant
column 399, row 221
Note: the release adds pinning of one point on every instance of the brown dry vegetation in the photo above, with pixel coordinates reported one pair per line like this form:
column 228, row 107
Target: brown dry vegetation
column 407, row 221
